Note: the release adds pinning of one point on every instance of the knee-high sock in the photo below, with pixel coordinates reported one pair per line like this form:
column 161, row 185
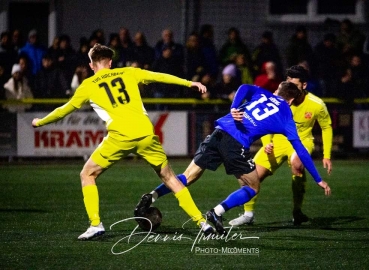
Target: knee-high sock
column 91, row 200
column 298, row 190
column 162, row 189
column 239, row 197
column 250, row 205
column 188, row 205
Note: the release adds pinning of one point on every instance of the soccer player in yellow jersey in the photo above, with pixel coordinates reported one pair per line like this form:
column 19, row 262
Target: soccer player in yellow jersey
column 115, row 96
column 276, row 149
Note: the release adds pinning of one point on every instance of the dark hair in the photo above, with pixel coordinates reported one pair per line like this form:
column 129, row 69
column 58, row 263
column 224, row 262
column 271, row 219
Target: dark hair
column 100, row 52
column 298, row 72
column 288, row 90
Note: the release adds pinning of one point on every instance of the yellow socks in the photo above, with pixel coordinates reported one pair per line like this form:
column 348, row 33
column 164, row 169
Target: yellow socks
column 250, row 205
column 298, row 190
column 91, row 200
column 188, row 205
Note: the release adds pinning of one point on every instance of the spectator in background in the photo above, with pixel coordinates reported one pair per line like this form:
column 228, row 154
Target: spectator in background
column 82, row 53
column 54, row 49
column 233, row 46
column 350, row 41
column 299, row 48
column 34, row 51
column 17, row 88
column 327, row 63
column 227, row 87
column 114, row 44
column 194, row 58
column 169, row 64
column 79, row 76
column 126, row 48
column 98, row 35
column 244, row 69
column 26, row 72
column 353, row 81
column 144, row 54
column 67, row 57
column 8, row 56
column 269, row 78
column 17, row 41
column 209, row 50
column 50, row 82
column 167, row 40
column 266, row 51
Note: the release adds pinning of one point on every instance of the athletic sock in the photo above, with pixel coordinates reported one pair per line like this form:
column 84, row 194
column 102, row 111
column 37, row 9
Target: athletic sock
column 91, row 200
column 239, row 197
column 162, row 189
column 188, row 205
column 250, row 205
column 298, row 190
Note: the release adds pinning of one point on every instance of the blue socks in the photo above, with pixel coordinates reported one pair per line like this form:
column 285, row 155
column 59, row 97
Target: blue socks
column 239, row 197
column 162, row 190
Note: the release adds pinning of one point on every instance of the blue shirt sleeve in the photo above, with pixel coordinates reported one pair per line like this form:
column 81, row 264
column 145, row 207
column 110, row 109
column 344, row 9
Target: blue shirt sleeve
column 306, row 159
column 245, row 91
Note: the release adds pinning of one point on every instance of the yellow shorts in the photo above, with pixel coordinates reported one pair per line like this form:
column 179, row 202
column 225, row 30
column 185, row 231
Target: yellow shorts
column 282, row 152
column 111, row 150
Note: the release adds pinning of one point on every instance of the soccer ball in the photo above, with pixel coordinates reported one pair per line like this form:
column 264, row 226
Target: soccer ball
column 154, row 215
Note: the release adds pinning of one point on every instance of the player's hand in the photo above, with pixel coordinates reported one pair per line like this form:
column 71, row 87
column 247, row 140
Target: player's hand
column 236, row 114
column 268, row 149
column 327, row 164
column 200, row 86
column 324, row 185
column 34, row 122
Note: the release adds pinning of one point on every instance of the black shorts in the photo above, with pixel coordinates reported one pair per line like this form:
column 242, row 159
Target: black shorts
column 220, row 147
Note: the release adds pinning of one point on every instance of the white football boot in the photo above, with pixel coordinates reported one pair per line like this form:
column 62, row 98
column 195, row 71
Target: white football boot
column 245, row 218
column 206, row 228
column 92, row 232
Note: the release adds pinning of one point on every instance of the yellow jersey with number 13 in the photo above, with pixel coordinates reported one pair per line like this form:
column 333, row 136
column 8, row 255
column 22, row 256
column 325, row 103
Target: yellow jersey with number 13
column 115, row 96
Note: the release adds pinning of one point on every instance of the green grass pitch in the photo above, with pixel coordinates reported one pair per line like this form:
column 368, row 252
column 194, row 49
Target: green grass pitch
column 42, row 214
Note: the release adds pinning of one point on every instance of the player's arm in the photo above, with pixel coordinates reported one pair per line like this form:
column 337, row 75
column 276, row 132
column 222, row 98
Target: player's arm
column 245, row 91
column 325, row 124
column 149, row 76
column 55, row 115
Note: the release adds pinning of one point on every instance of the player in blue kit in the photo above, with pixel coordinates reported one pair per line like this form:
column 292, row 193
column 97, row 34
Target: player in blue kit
column 262, row 113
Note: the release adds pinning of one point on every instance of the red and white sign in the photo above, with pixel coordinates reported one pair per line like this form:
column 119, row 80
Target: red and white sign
column 79, row 133
column 361, row 129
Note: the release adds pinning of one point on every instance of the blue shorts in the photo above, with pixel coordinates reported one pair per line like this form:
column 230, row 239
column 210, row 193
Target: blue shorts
column 220, row 147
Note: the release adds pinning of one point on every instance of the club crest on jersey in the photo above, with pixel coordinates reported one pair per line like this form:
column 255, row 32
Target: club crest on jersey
column 308, row 115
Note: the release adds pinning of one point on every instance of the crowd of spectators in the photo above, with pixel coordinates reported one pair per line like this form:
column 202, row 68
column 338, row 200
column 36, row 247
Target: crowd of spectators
column 338, row 65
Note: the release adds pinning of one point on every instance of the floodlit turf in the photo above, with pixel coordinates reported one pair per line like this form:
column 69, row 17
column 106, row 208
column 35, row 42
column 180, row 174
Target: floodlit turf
column 42, row 214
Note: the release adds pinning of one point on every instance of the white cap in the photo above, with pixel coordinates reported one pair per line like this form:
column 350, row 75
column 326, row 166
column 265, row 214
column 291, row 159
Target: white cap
column 16, row 68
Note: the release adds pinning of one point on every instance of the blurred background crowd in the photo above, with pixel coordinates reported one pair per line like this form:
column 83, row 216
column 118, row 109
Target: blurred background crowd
column 338, row 65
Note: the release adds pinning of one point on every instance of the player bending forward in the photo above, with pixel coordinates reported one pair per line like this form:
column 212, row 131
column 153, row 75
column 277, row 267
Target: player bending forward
column 262, row 113
column 306, row 110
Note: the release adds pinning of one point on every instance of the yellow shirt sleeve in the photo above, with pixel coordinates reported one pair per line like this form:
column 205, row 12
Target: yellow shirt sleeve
column 150, row 77
column 325, row 124
column 57, row 114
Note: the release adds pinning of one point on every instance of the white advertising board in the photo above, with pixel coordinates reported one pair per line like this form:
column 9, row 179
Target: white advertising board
column 361, row 129
column 79, row 133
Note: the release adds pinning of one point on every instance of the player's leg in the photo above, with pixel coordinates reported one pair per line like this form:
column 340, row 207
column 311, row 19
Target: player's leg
column 237, row 161
column 151, row 150
column 103, row 157
column 299, row 183
column 266, row 164
column 188, row 177
column 250, row 187
column 191, row 174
